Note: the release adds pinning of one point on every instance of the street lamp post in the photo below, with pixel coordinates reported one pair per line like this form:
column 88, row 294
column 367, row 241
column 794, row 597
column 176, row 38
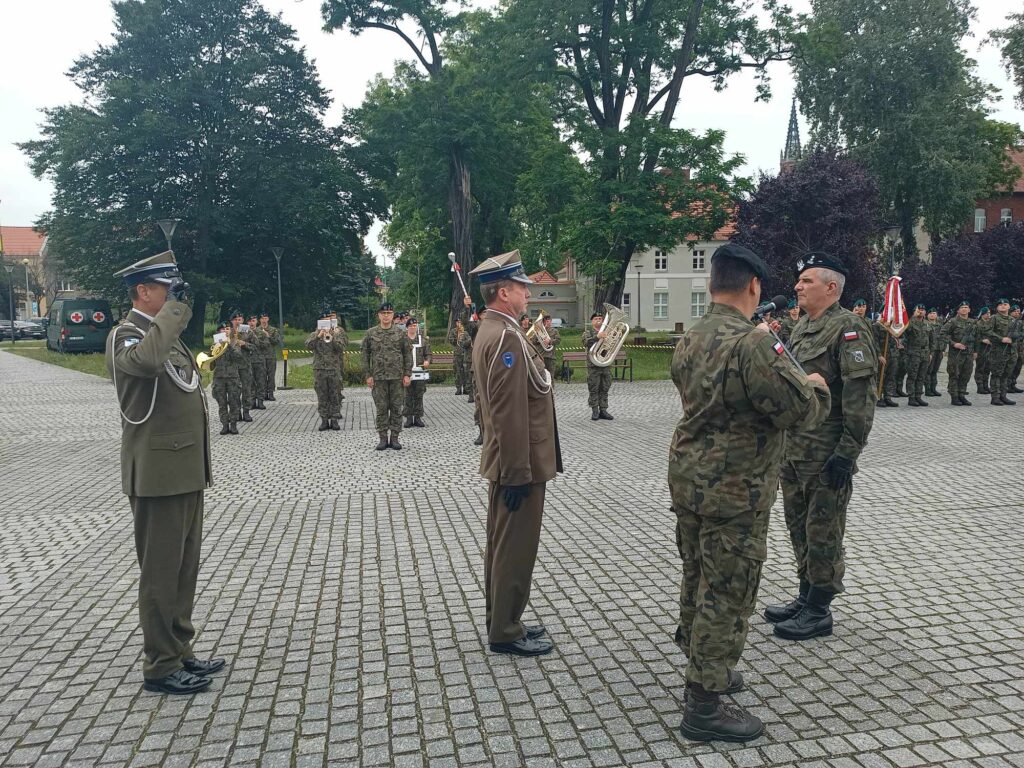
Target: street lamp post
column 28, row 296
column 638, row 268
column 278, row 252
column 10, row 293
column 167, row 226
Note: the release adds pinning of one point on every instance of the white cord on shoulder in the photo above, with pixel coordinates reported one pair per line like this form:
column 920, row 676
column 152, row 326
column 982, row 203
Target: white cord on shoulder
column 542, row 383
column 113, row 374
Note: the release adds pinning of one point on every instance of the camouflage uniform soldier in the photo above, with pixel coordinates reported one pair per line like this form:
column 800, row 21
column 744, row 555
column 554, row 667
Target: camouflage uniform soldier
column 327, row 347
column 1015, row 313
column 889, row 348
column 458, row 356
column 270, row 355
column 416, row 389
column 260, row 341
column 918, row 338
column 958, row 335
column 982, row 347
column 387, row 362
column 1003, row 333
column 932, row 384
column 338, row 331
column 739, row 393
column 549, row 354
column 599, row 380
column 820, row 462
column 245, row 369
column 227, row 386
column 471, row 326
column 787, row 322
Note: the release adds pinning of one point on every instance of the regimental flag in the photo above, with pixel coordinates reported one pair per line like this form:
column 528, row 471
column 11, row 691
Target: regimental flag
column 894, row 311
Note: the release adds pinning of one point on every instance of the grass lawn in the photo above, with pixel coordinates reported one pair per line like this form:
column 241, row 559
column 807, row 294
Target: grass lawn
column 93, row 362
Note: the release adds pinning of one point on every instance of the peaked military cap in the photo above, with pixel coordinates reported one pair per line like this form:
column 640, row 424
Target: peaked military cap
column 745, row 255
column 505, row 266
column 821, row 260
column 161, row 268
column 386, row 306
column 860, row 303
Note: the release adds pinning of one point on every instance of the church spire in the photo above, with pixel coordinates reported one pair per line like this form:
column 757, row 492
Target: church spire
column 792, row 153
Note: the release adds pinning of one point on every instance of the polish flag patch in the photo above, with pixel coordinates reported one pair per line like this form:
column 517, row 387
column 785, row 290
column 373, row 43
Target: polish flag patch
column 777, row 346
column 851, row 336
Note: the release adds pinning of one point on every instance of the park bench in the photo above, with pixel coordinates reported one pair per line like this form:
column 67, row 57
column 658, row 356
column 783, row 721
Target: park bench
column 573, row 360
column 442, row 361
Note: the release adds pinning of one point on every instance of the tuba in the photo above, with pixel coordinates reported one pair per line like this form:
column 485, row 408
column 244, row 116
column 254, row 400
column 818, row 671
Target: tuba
column 538, row 331
column 204, row 360
column 603, row 353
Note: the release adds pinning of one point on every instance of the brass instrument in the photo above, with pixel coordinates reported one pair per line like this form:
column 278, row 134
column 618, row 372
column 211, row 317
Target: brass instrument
column 540, row 332
column 205, row 360
column 614, row 325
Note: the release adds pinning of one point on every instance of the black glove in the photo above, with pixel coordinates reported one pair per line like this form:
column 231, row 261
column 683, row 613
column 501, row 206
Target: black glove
column 177, row 290
column 514, row 495
column 837, row 472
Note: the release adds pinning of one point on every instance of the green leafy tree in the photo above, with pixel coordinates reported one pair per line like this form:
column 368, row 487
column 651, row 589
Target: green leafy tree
column 1011, row 42
column 891, row 82
column 204, row 110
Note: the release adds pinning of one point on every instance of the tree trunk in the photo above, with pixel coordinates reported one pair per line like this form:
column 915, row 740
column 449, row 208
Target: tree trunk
column 460, row 209
column 609, row 290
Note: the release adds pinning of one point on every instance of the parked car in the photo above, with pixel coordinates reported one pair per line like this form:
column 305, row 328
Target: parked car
column 30, row 330
column 78, row 325
column 43, row 321
column 5, row 331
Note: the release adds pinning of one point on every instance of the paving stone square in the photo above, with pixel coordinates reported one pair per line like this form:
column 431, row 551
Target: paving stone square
column 345, row 588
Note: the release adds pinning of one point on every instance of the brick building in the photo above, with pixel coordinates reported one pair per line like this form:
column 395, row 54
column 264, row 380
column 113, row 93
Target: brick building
column 1005, row 210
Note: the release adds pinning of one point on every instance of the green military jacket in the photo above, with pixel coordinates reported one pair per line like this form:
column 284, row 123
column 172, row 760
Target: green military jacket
column 834, row 346
column 165, row 443
column 959, row 330
column 273, row 341
column 589, row 339
column 260, row 340
column 740, row 393
column 936, row 337
column 556, row 339
column 917, row 337
column 1000, row 327
column 227, row 366
column 327, row 356
column 981, row 333
column 423, row 353
column 386, row 353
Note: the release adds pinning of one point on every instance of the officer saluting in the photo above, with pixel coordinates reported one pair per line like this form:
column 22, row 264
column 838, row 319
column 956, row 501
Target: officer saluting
column 165, row 466
column 520, row 453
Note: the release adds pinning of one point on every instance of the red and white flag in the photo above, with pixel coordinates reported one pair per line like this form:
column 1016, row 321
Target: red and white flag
column 894, row 311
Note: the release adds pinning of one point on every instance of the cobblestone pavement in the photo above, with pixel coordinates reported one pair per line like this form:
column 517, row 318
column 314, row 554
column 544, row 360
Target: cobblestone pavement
column 344, row 585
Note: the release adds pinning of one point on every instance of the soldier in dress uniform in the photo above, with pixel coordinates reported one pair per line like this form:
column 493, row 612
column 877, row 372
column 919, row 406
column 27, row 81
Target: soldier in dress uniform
column 270, row 355
column 327, row 347
column 227, row 384
column 520, row 453
column 387, row 363
column 165, row 467
column 958, row 335
column 819, row 464
column 260, row 342
column 419, row 346
column 739, row 393
column 599, row 378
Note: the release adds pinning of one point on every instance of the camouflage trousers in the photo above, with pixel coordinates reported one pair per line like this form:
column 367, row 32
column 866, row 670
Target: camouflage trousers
column 228, row 394
column 468, row 385
column 901, row 369
column 270, row 371
column 933, row 371
column 1016, row 368
column 891, row 373
column 718, row 592
column 325, row 384
column 549, row 366
column 959, row 365
column 414, row 398
column 245, row 373
column 917, row 372
column 259, row 377
column 389, row 397
column 981, row 370
column 599, row 381
column 816, row 518
column 459, row 363
column 1001, row 360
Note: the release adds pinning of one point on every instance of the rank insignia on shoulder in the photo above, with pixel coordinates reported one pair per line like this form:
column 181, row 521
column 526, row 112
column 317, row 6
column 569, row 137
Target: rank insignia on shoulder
column 851, row 336
column 778, row 347
column 508, row 359
column 132, row 341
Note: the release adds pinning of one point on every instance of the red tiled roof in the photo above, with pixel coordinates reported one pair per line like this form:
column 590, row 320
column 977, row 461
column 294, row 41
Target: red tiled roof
column 543, row 277
column 22, row 241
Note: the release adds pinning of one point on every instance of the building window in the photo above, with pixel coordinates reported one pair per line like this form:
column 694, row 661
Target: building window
column 661, row 306
column 698, row 304
column 625, row 301
column 1005, row 217
column 660, row 261
column 979, row 219
column 698, row 261
column 65, row 285
column 546, row 295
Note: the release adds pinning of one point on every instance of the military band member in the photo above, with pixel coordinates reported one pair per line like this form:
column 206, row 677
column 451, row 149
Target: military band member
column 327, row 347
column 455, row 336
column 227, row 383
column 472, row 325
column 165, row 467
column 520, row 453
column 958, row 335
column 932, row 384
column 387, row 362
column 556, row 339
column 342, row 334
column 599, row 379
column 270, row 356
column 739, row 393
column 244, row 371
column 419, row 346
column 817, row 473
column 1003, row 334
column 260, row 342
column 982, row 347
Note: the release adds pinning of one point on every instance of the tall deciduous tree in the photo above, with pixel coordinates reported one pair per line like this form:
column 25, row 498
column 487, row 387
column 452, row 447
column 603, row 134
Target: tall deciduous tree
column 1011, row 42
column 891, row 81
column 619, row 67
column 828, row 202
column 204, row 110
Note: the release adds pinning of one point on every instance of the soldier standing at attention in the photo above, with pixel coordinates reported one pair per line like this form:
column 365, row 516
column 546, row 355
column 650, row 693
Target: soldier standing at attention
column 820, row 462
column 982, row 347
column 387, row 362
column 1018, row 350
column 932, row 383
column 327, row 347
column 270, row 355
column 458, row 356
column 958, row 335
column 260, row 341
column 339, row 331
column 165, row 467
column 519, row 456
column 416, row 389
column 227, row 386
column 918, row 338
column 599, row 380
column 739, row 393
column 1003, row 333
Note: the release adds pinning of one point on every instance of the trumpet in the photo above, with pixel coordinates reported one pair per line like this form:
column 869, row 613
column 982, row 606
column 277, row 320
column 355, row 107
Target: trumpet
column 205, row 361
column 326, row 335
column 538, row 331
column 614, row 325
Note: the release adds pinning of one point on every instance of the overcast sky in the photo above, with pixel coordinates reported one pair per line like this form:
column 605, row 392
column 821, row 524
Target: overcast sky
column 43, row 37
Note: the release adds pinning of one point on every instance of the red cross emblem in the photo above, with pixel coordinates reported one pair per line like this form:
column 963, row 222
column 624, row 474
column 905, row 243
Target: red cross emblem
column 98, row 317
column 76, row 317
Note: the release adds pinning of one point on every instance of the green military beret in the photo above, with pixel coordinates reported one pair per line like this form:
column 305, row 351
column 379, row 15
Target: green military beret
column 964, row 303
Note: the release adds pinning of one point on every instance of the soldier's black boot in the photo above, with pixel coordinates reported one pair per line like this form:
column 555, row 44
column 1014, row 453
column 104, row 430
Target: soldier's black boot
column 707, row 718
column 233, row 428
column 995, row 400
column 595, row 414
column 1006, row 401
column 603, row 414
column 479, row 436
column 913, row 403
column 259, row 405
column 270, row 397
column 921, row 402
column 335, row 425
column 814, row 620
column 890, row 402
column 1014, row 389
column 880, row 404
column 932, row 393
column 964, row 400
column 417, row 422
column 383, row 444
column 394, row 444
column 901, row 393
column 955, row 400
column 777, row 613
column 469, row 399
column 458, row 390
column 225, row 430
column 325, row 424
column 245, row 415
column 408, row 421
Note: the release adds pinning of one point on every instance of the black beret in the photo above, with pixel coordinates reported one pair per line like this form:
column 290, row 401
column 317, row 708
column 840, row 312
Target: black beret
column 748, row 257
column 596, row 314
column 236, row 313
column 821, row 260
column 264, row 313
column 386, row 306
column 411, row 321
